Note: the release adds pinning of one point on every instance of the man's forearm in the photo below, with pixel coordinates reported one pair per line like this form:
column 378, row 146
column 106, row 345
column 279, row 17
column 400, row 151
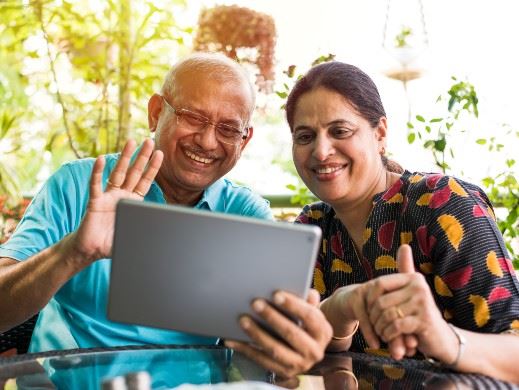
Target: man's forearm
column 27, row 286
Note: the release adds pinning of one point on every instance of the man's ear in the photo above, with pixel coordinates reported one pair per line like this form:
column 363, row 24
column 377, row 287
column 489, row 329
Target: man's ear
column 246, row 140
column 154, row 110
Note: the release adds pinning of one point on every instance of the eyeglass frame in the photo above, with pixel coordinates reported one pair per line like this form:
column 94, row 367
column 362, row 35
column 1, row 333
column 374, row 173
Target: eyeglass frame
column 179, row 112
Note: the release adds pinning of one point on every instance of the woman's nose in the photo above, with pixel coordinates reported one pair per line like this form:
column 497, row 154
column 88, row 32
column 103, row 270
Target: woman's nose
column 323, row 148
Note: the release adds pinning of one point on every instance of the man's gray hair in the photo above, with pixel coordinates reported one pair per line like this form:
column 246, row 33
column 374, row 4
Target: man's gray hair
column 214, row 65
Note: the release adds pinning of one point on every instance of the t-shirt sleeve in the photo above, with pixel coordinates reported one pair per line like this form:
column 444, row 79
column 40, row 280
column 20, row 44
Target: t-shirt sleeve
column 473, row 278
column 52, row 214
column 258, row 207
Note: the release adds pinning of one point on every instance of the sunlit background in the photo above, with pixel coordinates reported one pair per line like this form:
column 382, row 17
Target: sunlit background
column 471, row 40
column 62, row 78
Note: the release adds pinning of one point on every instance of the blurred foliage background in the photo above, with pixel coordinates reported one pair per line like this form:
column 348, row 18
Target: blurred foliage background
column 75, row 78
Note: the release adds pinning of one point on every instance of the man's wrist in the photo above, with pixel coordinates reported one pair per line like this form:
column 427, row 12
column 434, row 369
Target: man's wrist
column 74, row 255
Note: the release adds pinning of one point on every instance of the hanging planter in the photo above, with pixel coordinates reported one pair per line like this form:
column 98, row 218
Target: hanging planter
column 242, row 34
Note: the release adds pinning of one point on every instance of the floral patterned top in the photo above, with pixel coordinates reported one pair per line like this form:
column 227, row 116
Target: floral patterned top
column 456, row 244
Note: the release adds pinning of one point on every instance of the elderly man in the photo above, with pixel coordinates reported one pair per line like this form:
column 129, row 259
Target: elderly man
column 57, row 260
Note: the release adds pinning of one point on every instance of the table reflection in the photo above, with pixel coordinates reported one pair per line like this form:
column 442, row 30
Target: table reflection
column 370, row 371
column 168, row 367
column 172, row 366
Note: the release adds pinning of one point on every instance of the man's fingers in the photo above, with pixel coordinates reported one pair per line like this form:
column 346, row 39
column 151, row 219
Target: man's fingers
column 292, row 362
column 312, row 318
column 308, row 340
column 404, row 258
column 260, row 357
column 313, row 297
column 151, row 171
column 118, row 175
column 95, row 179
column 138, row 166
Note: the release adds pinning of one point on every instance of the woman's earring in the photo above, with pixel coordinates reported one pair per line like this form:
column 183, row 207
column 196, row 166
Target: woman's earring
column 383, row 151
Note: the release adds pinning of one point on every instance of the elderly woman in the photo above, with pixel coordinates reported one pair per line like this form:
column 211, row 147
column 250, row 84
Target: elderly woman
column 416, row 259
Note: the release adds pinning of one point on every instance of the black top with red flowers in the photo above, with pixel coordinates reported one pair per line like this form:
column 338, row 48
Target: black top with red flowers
column 456, row 244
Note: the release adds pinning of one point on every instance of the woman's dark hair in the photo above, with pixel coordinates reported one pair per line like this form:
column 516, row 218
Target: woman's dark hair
column 350, row 82
column 347, row 80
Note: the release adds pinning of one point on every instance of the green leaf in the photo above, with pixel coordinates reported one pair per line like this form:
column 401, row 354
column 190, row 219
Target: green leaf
column 440, row 144
column 428, row 144
column 481, row 141
column 411, row 138
column 435, row 120
column 410, row 125
column 420, row 118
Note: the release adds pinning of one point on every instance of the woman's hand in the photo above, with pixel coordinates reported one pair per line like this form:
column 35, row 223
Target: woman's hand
column 408, row 308
column 300, row 347
column 355, row 302
column 93, row 239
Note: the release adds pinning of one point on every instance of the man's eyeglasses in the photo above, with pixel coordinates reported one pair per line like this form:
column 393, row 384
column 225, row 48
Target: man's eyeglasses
column 228, row 134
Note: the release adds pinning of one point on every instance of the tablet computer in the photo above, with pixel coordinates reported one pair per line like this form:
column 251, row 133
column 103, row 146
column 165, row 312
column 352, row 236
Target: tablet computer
column 197, row 271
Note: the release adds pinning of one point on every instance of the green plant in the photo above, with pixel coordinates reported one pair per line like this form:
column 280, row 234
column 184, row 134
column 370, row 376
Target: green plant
column 503, row 191
column 301, row 194
column 502, row 188
column 291, row 77
column 434, row 132
column 77, row 75
column 401, row 39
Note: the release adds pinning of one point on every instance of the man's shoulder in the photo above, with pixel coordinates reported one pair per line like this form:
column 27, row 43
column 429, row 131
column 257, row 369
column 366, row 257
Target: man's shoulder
column 229, row 197
column 78, row 172
column 85, row 164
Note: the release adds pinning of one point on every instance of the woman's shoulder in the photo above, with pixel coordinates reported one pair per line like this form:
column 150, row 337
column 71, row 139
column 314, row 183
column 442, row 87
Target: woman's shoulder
column 437, row 189
column 315, row 213
column 431, row 182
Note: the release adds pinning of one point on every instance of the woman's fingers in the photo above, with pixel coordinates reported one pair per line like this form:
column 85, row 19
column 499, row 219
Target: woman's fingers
column 358, row 302
column 411, row 344
column 397, row 348
column 404, row 258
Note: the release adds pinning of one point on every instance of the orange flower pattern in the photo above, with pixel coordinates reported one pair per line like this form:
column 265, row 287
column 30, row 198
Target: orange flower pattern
column 456, row 244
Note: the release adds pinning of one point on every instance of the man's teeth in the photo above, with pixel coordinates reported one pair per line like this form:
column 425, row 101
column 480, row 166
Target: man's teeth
column 327, row 170
column 198, row 158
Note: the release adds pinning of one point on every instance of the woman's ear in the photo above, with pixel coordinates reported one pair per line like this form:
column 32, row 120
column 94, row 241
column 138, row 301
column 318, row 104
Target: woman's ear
column 154, row 110
column 381, row 132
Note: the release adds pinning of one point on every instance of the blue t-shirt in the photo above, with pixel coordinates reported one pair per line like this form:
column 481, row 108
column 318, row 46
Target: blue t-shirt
column 76, row 316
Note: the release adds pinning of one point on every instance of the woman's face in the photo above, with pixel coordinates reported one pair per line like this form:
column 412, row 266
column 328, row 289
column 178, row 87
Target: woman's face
column 336, row 151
